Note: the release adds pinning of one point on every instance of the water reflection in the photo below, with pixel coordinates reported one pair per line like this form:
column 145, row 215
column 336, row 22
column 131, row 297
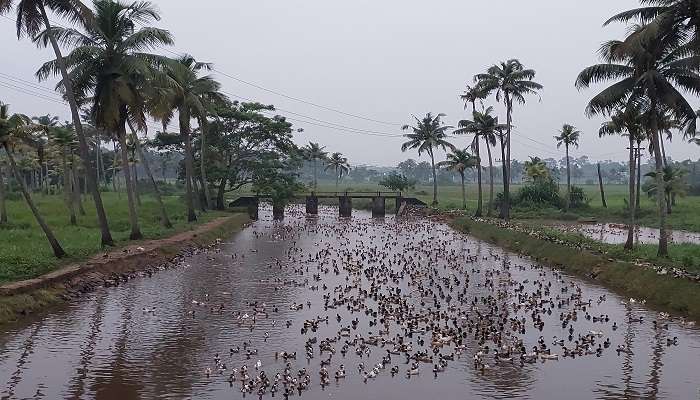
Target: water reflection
column 200, row 315
column 617, row 233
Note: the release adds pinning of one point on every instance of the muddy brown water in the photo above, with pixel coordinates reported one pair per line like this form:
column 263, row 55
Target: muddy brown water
column 104, row 346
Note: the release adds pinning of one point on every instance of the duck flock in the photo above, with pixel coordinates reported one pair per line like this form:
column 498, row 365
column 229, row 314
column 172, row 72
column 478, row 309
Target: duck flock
column 401, row 300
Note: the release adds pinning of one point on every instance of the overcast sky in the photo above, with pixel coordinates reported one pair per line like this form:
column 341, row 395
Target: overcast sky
column 381, row 60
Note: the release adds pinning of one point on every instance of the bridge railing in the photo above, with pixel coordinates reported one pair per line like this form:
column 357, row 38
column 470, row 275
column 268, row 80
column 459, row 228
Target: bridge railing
column 334, row 194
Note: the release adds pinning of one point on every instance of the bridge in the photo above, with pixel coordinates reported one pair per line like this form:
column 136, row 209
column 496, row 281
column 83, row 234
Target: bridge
column 252, row 202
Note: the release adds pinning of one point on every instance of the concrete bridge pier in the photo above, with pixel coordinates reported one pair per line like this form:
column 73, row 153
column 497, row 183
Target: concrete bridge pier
column 378, row 207
column 312, row 205
column 253, row 207
column 399, row 200
column 278, row 212
column 345, row 208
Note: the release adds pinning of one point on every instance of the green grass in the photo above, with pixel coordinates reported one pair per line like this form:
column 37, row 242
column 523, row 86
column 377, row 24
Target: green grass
column 661, row 291
column 25, row 253
column 681, row 255
column 685, row 216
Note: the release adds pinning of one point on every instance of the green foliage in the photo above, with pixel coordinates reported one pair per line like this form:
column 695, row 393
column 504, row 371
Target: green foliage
column 578, row 197
column 543, row 192
column 397, row 182
column 24, row 252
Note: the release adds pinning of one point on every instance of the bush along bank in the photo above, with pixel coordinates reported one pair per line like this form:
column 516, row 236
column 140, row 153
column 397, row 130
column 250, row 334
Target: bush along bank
column 23, row 298
column 662, row 291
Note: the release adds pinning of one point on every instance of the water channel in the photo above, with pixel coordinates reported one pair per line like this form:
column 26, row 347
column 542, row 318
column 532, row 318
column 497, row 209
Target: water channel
column 453, row 317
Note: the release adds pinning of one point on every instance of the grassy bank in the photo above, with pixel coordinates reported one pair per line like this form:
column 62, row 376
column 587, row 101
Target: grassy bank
column 11, row 307
column 674, row 295
column 681, row 255
column 25, row 253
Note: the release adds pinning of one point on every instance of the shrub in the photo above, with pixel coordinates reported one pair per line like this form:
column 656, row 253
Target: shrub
column 579, row 199
column 540, row 192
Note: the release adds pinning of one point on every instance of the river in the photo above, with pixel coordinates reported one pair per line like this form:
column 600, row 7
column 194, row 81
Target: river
column 187, row 332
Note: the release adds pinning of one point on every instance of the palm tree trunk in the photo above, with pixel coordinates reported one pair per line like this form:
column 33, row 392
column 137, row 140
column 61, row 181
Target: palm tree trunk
column 106, row 236
column 136, row 185
column 3, row 206
column 638, row 202
column 67, row 188
column 504, row 205
column 479, row 203
column 464, row 193
column 189, row 168
column 202, row 164
column 133, row 216
column 58, row 251
column 629, row 244
column 337, row 178
column 77, row 200
column 568, row 177
column 506, row 162
column 660, row 192
column 602, row 188
column 315, row 175
column 164, row 220
column 488, row 149
column 432, row 163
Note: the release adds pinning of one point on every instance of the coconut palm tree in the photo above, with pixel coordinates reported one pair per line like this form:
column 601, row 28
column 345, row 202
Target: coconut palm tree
column 13, row 129
column 32, row 17
column 471, row 95
column 3, row 192
column 108, row 66
column 191, row 95
column 339, row 165
column 568, row 136
column 511, row 81
column 628, row 122
column 63, row 138
column 460, row 161
column 486, row 126
column 315, row 152
column 536, row 169
column 674, row 183
column 665, row 16
column 428, row 135
column 164, row 220
column 647, row 72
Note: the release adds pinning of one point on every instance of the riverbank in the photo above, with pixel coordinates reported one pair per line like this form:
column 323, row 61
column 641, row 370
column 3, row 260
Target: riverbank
column 662, row 291
column 111, row 268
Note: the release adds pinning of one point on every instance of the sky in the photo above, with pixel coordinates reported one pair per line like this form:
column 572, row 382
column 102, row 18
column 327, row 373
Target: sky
column 350, row 73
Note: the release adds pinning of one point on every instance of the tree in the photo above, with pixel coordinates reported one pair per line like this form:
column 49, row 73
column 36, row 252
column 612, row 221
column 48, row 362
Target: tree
column 647, row 72
column 64, row 140
column 460, row 161
column 483, row 125
column 536, row 169
column 3, row 194
column 164, row 219
column 628, row 120
column 397, row 182
column 108, row 68
column 314, row 152
column 246, row 141
column 568, row 136
column 512, row 82
column 13, row 128
column 191, row 95
column 428, row 135
column 339, row 164
column 31, row 17
column 673, row 183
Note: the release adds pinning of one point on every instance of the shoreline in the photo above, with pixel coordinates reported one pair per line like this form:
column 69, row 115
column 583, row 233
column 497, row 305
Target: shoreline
column 663, row 292
column 22, row 298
